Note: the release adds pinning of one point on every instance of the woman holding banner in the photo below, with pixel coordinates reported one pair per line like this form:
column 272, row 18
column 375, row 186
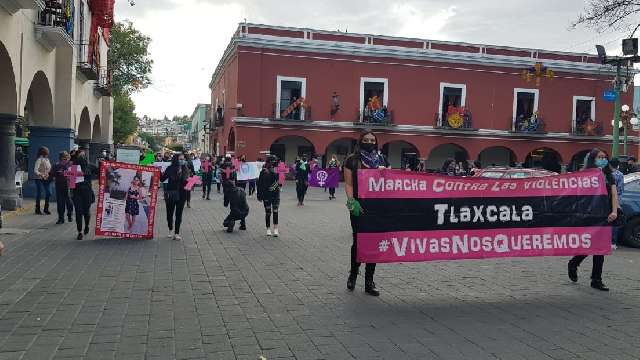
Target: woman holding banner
column 175, row 195
column 597, row 159
column 366, row 156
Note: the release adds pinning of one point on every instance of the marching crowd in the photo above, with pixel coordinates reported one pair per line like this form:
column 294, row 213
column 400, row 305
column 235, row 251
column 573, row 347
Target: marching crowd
column 72, row 174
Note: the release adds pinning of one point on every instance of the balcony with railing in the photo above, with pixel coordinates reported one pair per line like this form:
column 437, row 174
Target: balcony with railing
column 103, row 84
column 55, row 24
column 13, row 6
column 533, row 124
column 587, row 128
column 301, row 113
column 380, row 117
column 456, row 119
column 87, row 62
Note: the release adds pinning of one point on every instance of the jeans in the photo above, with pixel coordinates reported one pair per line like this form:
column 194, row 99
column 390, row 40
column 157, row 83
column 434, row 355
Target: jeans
column 177, row 207
column 206, row 187
column 46, row 185
column 271, row 205
column 63, row 202
column 596, row 270
column 370, row 269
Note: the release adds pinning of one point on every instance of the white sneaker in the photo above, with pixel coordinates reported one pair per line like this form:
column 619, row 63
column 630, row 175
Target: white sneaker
column 170, row 234
column 268, row 232
column 177, row 237
column 614, row 247
column 275, row 232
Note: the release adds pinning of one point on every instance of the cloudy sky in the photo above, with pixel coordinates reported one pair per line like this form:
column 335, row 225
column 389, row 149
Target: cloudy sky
column 189, row 36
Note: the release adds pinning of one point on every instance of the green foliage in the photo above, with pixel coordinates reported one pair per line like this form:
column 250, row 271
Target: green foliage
column 125, row 122
column 176, row 147
column 129, row 58
column 154, row 143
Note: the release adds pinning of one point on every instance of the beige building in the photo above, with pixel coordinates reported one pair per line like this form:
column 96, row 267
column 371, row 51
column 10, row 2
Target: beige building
column 53, row 80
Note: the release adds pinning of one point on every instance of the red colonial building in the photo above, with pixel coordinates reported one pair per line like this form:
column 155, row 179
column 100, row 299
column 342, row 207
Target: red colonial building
column 293, row 91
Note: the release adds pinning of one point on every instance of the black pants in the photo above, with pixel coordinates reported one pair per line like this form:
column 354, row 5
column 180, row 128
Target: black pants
column 242, row 185
column 369, row 269
column 82, row 204
column 301, row 190
column 332, row 192
column 63, row 202
column 206, row 187
column 177, row 207
column 231, row 219
column 271, row 206
column 596, row 270
column 252, row 187
column 218, row 185
column 188, row 197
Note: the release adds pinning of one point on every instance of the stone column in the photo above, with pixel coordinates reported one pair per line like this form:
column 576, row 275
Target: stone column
column 9, row 199
column 55, row 139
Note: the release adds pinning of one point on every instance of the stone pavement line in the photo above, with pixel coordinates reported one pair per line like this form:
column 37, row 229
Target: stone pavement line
column 236, row 296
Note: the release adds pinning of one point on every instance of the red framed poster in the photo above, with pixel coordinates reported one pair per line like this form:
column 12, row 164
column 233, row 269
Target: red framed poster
column 127, row 200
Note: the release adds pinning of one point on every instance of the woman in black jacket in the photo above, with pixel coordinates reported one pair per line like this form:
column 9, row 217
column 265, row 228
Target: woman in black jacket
column 175, row 195
column 269, row 193
column 83, row 195
column 597, row 159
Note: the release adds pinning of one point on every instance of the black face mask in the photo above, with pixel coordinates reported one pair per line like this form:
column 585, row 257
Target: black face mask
column 368, row 147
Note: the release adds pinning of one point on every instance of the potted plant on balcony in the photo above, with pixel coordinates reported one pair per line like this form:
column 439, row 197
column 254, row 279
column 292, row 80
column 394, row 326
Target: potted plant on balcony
column 532, row 124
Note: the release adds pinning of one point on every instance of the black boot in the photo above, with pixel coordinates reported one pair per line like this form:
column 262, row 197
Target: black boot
column 370, row 288
column 38, row 212
column 70, row 218
column 60, row 221
column 46, row 208
column 572, row 271
column 351, row 281
column 598, row 284
column 79, row 236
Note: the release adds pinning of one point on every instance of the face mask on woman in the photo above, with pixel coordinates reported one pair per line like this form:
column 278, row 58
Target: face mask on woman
column 601, row 163
column 182, row 162
column 368, row 147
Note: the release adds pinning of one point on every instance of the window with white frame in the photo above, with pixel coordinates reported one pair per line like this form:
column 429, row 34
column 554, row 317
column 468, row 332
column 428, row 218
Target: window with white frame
column 584, row 112
column 374, row 99
column 525, row 106
column 291, row 92
column 452, row 97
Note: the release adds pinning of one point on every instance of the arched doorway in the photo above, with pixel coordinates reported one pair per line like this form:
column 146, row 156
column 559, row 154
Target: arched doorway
column 342, row 148
column 544, row 158
column 84, row 128
column 231, row 141
column 577, row 160
column 8, row 100
column 38, row 110
column 497, row 156
column 287, row 148
column 441, row 153
column 96, row 133
column 401, row 154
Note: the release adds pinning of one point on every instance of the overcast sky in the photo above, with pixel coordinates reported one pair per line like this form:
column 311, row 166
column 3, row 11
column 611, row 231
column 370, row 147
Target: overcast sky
column 189, row 36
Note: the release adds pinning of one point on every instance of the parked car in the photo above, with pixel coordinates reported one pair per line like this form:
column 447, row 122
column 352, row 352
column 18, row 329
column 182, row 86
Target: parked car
column 512, row 173
column 630, row 205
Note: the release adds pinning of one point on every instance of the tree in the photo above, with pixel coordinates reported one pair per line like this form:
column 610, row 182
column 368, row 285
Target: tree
column 125, row 122
column 129, row 58
column 610, row 14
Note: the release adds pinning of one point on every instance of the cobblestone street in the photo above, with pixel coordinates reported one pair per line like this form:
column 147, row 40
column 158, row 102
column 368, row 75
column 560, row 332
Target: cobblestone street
column 239, row 296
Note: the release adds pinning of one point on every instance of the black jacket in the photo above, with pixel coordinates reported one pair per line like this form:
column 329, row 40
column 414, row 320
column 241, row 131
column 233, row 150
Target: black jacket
column 237, row 198
column 268, row 185
column 177, row 176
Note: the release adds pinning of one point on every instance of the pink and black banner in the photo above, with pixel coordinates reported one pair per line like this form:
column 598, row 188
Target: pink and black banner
column 410, row 217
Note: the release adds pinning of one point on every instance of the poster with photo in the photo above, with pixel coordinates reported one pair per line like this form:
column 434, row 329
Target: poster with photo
column 127, row 200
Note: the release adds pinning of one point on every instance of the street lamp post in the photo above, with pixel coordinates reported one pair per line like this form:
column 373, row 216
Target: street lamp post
column 616, row 115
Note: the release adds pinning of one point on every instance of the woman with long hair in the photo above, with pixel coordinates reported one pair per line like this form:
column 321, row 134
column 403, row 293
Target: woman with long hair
column 333, row 164
column 269, row 193
column 132, row 208
column 597, row 159
column 42, row 169
column 175, row 196
column 83, row 195
column 366, row 156
column 63, row 201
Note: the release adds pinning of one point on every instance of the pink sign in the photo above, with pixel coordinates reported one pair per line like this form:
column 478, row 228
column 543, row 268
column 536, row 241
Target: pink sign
column 412, row 246
column 191, row 182
column 282, row 170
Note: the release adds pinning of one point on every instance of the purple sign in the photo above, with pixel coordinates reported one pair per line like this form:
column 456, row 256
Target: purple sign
column 329, row 178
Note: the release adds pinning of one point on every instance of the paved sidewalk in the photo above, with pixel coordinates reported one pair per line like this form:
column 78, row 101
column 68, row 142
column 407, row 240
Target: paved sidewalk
column 237, row 296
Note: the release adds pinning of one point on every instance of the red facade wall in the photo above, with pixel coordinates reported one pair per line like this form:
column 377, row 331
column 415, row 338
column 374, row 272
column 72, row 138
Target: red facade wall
column 340, row 38
column 276, row 32
column 400, row 43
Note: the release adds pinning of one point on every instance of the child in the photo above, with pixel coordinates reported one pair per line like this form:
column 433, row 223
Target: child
column 269, row 193
column 236, row 199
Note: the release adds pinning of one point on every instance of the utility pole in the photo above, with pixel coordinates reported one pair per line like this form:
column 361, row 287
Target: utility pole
column 616, row 117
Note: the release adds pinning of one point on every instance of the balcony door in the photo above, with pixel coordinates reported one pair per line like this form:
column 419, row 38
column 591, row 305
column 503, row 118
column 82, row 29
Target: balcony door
column 290, row 91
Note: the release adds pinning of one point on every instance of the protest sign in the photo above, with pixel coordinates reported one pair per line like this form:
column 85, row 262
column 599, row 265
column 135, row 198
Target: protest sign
column 129, row 156
column 126, row 200
column 421, row 217
column 324, row 178
column 248, row 170
column 162, row 165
